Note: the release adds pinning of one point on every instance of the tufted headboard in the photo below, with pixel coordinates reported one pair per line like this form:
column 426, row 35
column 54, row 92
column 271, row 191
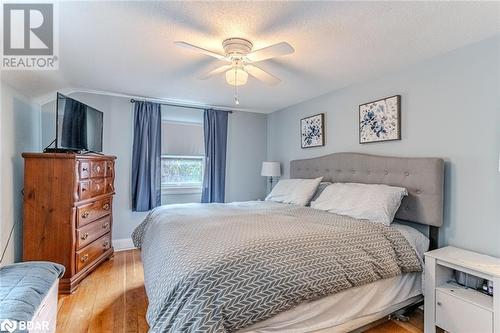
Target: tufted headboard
column 423, row 177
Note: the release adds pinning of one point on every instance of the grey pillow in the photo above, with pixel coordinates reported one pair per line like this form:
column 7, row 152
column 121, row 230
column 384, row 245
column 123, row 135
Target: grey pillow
column 320, row 189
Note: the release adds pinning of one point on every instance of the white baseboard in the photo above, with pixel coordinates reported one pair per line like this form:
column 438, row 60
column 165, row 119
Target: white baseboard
column 123, row 244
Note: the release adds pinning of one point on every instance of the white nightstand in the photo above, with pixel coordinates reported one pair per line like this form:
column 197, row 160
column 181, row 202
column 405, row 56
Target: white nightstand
column 458, row 309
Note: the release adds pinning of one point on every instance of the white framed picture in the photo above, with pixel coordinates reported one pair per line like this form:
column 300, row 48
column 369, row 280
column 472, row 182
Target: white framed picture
column 380, row 120
column 312, row 131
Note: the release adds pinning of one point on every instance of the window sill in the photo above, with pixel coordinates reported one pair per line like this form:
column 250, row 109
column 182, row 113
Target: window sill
column 181, row 190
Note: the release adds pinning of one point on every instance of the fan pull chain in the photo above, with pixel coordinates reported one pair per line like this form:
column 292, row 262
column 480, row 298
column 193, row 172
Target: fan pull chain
column 236, row 100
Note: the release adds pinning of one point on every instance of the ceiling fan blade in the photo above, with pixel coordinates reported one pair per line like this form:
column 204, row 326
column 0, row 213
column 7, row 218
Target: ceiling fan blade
column 215, row 71
column 262, row 75
column 200, row 50
column 272, row 51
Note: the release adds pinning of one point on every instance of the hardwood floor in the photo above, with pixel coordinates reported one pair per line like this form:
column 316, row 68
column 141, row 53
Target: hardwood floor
column 113, row 299
column 415, row 325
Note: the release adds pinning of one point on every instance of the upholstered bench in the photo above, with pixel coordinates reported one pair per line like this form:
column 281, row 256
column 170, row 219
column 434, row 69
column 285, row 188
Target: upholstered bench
column 28, row 296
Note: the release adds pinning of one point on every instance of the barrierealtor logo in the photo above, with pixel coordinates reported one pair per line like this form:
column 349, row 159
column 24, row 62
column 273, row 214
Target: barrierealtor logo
column 30, row 36
column 8, row 325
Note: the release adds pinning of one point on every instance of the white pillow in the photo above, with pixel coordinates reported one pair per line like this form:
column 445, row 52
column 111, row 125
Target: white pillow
column 373, row 202
column 294, row 191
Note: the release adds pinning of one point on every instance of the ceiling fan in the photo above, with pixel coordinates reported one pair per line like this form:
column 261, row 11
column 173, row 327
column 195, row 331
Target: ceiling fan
column 241, row 60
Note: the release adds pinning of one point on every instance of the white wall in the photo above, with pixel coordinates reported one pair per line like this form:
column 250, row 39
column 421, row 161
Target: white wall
column 450, row 109
column 246, row 151
column 19, row 132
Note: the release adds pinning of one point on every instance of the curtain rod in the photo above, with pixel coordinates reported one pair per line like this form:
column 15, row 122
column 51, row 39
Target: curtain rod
column 185, row 106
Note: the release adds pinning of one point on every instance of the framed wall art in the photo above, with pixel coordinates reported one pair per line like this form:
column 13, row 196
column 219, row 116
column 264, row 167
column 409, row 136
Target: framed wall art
column 312, row 131
column 380, row 120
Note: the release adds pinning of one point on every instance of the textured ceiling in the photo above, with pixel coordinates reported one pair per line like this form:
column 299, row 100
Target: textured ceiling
column 127, row 47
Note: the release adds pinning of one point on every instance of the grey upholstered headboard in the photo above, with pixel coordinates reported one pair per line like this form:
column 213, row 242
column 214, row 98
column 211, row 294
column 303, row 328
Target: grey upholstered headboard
column 423, row 177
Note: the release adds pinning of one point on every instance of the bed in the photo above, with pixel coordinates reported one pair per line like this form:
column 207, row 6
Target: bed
column 269, row 267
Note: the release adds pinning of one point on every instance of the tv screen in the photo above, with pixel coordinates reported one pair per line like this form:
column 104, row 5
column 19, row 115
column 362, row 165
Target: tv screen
column 78, row 126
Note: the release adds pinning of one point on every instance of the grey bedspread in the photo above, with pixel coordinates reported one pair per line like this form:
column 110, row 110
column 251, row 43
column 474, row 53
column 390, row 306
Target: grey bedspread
column 223, row 267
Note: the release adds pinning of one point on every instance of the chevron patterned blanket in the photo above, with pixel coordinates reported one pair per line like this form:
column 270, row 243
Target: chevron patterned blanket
column 223, row 267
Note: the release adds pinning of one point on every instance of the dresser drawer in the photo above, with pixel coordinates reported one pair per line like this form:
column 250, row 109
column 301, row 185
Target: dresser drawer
column 92, row 211
column 98, row 169
column 95, row 169
column 110, row 169
column 90, row 232
column 459, row 316
column 110, row 186
column 84, row 169
column 91, row 188
column 92, row 251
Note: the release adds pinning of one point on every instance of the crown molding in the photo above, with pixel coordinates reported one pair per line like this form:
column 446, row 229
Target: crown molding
column 47, row 98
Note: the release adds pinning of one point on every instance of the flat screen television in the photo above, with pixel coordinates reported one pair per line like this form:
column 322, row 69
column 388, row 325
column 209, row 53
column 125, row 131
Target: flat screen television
column 78, row 126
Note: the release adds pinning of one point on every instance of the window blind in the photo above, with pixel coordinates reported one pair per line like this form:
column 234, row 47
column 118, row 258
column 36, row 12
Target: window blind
column 182, row 139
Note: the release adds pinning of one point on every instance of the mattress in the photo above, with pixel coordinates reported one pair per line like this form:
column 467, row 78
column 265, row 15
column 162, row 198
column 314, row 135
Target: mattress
column 354, row 307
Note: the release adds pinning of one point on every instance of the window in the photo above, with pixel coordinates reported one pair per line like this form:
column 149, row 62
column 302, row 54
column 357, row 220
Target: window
column 182, row 171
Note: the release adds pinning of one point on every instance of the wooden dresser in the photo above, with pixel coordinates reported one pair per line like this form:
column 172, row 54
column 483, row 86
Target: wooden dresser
column 68, row 212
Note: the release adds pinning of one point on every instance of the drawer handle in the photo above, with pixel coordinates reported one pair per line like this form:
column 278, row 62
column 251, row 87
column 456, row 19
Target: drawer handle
column 85, row 169
column 84, row 236
column 105, row 244
column 105, row 225
column 84, row 189
column 439, row 303
column 85, row 215
column 84, row 258
column 105, row 206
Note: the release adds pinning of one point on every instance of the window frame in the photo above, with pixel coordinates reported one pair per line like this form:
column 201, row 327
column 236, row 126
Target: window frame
column 184, row 188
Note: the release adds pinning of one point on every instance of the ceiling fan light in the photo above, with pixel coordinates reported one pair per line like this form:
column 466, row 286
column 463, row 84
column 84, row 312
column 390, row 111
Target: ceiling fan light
column 236, row 77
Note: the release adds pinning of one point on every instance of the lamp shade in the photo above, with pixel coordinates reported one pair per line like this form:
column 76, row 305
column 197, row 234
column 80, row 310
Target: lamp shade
column 236, row 77
column 271, row 169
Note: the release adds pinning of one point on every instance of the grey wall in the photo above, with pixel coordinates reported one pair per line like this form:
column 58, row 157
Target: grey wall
column 48, row 123
column 19, row 132
column 246, row 150
column 450, row 109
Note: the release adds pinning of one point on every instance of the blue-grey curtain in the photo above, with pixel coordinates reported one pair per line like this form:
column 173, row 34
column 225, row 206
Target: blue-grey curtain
column 146, row 157
column 215, row 133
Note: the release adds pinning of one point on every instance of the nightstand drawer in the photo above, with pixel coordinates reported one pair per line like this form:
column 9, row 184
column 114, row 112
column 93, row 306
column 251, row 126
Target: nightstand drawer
column 456, row 315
